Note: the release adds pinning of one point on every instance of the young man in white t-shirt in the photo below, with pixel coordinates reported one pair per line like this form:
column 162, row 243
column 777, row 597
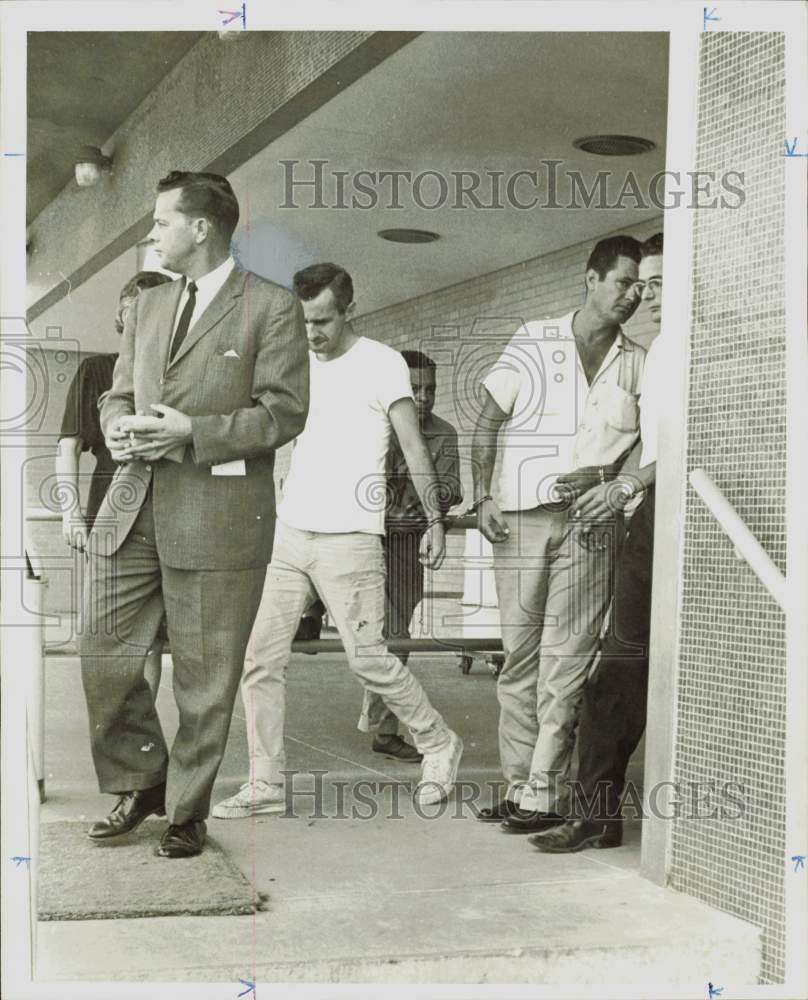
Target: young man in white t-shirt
column 328, row 541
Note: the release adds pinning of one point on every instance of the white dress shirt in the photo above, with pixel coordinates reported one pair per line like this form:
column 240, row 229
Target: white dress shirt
column 656, row 383
column 206, row 288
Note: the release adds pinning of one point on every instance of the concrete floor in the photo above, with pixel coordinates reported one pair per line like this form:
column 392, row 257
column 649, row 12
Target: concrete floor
column 389, row 898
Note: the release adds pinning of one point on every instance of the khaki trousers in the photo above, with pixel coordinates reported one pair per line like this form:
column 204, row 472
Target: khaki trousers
column 553, row 596
column 347, row 571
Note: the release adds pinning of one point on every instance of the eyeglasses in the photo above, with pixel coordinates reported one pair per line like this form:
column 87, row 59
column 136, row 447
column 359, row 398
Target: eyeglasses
column 654, row 284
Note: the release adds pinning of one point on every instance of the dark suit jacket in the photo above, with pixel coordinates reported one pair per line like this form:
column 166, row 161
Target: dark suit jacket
column 242, row 375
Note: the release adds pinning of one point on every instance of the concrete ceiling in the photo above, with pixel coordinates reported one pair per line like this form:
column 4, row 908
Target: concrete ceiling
column 81, row 86
column 450, row 102
column 444, row 102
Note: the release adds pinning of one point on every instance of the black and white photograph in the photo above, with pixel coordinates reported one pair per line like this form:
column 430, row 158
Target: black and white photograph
column 400, row 589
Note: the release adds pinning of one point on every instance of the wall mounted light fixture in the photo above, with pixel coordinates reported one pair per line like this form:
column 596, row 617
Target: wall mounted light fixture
column 90, row 163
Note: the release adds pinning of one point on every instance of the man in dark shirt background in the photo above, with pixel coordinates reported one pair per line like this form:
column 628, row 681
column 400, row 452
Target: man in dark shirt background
column 81, row 431
column 405, row 522
column 81, row 426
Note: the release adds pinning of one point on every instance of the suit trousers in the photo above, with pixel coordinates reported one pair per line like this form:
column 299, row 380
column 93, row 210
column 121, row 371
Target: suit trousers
column 403, row 591
column 347, row 571
column 553, row 595
column 209, row 616
column 614, row 703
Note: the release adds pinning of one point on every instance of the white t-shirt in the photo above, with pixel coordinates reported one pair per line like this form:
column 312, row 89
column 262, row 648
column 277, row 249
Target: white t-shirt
column 336, row 479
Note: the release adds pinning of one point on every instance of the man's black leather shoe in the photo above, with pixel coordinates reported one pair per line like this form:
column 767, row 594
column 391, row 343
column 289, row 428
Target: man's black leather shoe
column 394, row 746
column 182, row 840
column 578, row 834
column 309, row 628
column 530, row 822
column 501, row 810
column 129, row 812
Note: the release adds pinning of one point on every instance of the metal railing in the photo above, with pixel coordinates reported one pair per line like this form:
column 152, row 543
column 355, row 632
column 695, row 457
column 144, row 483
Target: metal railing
column 461, row 645
column 746, row 545
column 35, row 642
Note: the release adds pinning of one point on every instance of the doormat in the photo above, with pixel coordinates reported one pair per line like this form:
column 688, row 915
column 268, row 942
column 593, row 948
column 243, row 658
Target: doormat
column 83, row 880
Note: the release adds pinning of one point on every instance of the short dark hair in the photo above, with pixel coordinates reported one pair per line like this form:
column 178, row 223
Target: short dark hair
column 209, row 195
column 605, row 253
column 143, row 279
column 419, row 361
column 309, row 282
column 652, row 246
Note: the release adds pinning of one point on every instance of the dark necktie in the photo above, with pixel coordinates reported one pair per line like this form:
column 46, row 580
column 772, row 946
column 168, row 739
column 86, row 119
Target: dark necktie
column 185, row 320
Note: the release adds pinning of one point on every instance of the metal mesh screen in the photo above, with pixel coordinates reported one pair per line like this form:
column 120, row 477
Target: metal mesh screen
column 732, row 664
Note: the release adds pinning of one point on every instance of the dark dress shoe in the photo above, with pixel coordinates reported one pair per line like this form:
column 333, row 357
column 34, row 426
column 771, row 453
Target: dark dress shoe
column 395, row 746
column 308, row 628
column 578, row 834
column 500, row 811
column 129, row 812
column 310, row 625
column 182, row 840
column 530, row 822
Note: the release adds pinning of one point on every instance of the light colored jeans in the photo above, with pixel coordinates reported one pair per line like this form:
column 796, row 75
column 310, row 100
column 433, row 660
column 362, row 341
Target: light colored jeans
column 553, row 596
column 403, row 592
column 347, row 571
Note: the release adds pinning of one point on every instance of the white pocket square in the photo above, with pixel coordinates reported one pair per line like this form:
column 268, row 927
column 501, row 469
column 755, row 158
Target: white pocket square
column 230, row 354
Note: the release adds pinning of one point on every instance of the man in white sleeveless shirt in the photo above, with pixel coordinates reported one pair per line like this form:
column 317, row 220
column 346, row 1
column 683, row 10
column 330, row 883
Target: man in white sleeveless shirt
column 328, row 542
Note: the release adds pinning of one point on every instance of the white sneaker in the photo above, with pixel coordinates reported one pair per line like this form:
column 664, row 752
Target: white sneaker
column 439, row 772
column 252, row 799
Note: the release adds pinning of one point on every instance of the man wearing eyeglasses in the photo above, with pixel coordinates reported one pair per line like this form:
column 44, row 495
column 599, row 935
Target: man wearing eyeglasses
column 613, row 708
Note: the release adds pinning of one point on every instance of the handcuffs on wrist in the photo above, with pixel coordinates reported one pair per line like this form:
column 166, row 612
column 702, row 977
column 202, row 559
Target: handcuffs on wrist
column 478, row 503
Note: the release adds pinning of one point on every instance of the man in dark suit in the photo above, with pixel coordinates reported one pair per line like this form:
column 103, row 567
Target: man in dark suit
column 212, row 378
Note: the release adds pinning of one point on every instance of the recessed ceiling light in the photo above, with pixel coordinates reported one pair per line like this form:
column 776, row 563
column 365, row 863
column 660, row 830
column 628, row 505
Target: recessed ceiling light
column 614, row 145
column 408, row 235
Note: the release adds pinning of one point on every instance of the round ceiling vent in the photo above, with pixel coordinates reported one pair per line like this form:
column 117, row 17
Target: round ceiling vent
column 614, row 145
column 408, row 235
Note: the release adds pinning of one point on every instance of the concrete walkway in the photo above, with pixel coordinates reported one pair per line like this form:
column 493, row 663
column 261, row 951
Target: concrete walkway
column 361, row 889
